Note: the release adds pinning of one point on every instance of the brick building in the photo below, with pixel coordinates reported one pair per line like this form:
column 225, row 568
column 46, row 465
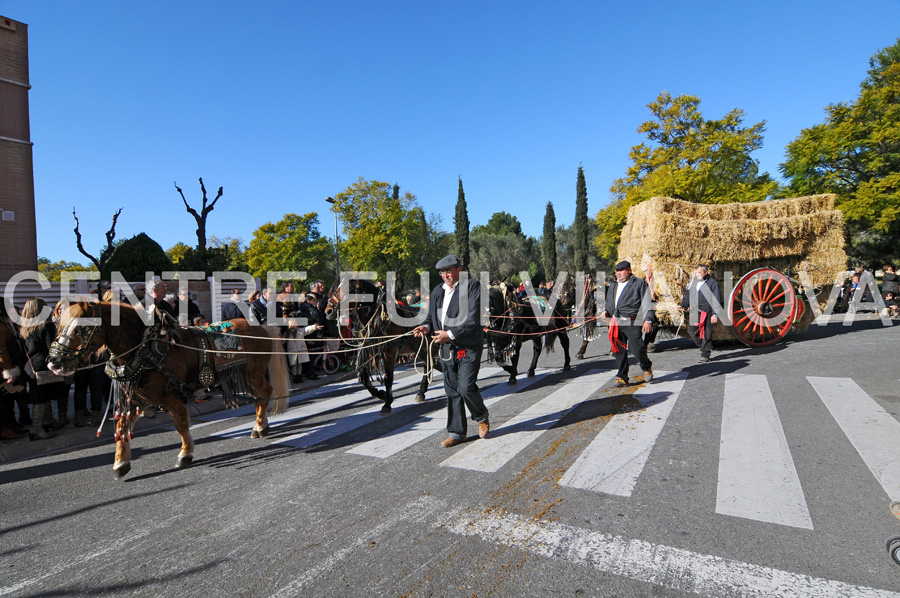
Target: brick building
column 18, row 231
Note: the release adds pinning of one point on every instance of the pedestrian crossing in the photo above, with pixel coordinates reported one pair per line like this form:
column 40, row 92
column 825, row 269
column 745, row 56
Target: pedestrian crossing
column 757, row 477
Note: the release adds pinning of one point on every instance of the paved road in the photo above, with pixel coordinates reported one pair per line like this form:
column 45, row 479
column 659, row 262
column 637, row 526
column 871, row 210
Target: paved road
column 762, row 473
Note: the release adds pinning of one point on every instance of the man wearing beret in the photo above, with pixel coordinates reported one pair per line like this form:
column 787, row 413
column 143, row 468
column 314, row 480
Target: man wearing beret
column 629, row 310
column 455, row 324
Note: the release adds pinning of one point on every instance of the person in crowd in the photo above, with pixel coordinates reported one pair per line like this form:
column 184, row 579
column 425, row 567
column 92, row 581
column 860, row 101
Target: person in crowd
column 43, row 387
column 703, row 288
column 461, row 340
column 200, row 321
column 259, row 308
column 853, row 287
column 890, row 282
column 231, row 310
column 630, row 315
column 254, row 296
column 157, row 289
column 891, row 306
column 13, row 388
column 62, row 401
column 186, row 307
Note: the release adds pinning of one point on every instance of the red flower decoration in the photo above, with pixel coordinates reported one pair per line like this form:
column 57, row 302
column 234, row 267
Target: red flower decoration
column 461, row 353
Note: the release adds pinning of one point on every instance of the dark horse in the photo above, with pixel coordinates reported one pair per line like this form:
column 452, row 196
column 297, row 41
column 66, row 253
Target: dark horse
column 583, row 300
column 162, row 364
column 379, row 340
column 512, row 320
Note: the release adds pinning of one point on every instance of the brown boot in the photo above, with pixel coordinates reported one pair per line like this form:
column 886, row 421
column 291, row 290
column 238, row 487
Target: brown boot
column 37, row 422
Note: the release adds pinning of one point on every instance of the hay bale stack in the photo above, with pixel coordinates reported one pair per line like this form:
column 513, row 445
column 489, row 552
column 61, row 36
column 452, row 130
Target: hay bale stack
column 672, row 236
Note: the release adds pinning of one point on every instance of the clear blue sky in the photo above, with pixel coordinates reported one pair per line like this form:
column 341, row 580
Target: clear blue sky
column 286, row 102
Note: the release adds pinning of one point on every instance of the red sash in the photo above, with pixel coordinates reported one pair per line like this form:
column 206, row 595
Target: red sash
column 702, row 325
column 615, row 344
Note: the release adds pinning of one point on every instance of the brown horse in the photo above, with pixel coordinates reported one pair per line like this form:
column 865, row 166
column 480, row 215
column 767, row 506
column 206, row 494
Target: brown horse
column 162, row 364
column 377, row 352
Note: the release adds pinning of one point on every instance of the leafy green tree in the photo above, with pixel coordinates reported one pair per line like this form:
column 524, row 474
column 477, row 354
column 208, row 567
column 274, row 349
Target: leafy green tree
column 385, row 231
column 855, row 153
column 461, row 224
column 503, row 250
column 53, row 270
column 500, row 223
column 565, row 251
column 136, row 256
column 582, row 241
column 548, row 243
column 294, row 243
column 686, row 157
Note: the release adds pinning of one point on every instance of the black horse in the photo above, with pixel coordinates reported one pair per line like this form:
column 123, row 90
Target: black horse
column 379, row 341
column 512, row 320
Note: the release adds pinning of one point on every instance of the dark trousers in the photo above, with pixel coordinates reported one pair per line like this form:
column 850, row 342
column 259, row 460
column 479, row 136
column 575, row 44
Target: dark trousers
column 460, row 384
column 633, row 336
column 705, row 343
column 86, row 380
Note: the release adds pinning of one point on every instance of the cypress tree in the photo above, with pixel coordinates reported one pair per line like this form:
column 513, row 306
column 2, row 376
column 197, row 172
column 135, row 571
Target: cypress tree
column 582, row 241
column 461, row 221
column 548, row 246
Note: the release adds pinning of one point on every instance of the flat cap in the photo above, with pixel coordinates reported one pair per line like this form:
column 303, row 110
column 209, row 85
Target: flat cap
column 623, row 265
column 450, row 261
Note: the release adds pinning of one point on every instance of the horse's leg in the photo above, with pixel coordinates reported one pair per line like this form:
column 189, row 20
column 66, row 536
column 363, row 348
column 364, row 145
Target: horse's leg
column 122, row 464
column 390, row 358
column 423, row 386
column 581, row 351
column 178, row 411
column 536, row 344
column 262, row 390
column 365, row 378
column 261, row 426
column 564, row 342
column 513, row 368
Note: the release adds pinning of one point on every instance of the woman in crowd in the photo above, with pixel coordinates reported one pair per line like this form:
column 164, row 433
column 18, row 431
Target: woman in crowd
column 38, row 333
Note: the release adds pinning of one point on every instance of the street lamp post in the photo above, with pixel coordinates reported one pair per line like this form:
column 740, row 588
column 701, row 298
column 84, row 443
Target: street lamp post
column 337, row 255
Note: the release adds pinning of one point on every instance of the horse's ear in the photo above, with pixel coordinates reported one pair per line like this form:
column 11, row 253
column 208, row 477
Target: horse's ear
column 85, row 306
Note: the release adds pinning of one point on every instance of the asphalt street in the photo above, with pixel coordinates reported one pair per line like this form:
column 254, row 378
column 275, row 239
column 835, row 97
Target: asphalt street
column 765, row 472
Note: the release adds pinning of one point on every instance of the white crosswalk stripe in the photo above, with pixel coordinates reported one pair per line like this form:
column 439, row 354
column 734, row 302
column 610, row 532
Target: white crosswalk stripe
column 616, row 457
column 515, row 435
column 434, row 422
column 871, row 430
column 757, row 477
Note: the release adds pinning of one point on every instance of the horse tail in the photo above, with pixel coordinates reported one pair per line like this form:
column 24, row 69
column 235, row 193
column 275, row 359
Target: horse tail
column 279, row 376
column 549, row 345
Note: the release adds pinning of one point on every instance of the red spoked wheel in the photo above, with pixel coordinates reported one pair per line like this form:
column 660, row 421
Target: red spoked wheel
column 762, row 307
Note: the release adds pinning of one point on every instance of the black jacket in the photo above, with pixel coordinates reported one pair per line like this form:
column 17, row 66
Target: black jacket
column 37, row 345
column 703, row 303
column 231, row 311
column 468, row 334
column 635, row 302
column 890, row 283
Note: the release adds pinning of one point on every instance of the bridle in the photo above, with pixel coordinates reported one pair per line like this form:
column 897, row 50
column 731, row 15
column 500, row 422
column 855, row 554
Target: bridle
column 60, row 348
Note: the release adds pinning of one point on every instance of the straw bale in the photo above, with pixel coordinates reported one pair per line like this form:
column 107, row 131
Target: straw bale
column 671, row 236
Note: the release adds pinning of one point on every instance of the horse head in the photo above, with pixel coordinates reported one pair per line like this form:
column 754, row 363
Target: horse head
column 361, row 300
column 76, row 340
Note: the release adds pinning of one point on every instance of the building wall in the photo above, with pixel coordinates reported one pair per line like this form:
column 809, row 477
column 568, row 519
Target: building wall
column 18, row 230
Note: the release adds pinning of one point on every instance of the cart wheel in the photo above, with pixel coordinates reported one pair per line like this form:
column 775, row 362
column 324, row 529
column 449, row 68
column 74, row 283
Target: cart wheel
column 893, row 548
column 330, row 364
column 762, row 307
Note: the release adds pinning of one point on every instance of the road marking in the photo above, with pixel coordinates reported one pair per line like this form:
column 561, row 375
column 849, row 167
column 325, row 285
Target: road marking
column 614, row 460
column 664, row 566
column 303, row 411
column 757, row 476
column 338, row 426
column 871, row 430
column 434, row 422
column 508, row 440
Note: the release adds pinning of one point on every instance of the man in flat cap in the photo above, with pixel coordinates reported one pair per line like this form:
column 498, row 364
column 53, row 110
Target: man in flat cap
column 703, row 288
column 458, row 332
column 629, row 311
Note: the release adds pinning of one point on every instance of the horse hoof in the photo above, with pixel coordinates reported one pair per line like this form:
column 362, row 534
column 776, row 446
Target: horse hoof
column 567, row 367
column 531, row 373
column 121, row 472
column 579, row 356
column 184, row 461
column 386, row 409
column 420, row 398
column 259, row 433
column 512, row 382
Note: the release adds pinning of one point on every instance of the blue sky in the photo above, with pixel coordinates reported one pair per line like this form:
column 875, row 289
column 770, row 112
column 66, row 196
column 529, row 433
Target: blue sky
column 284, row 103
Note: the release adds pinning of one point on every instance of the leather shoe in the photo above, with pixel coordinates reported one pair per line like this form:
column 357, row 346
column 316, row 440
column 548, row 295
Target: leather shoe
column 648, row 375
column 448, row 442
column 483, row 428
column 620, row 382
column 9, row 434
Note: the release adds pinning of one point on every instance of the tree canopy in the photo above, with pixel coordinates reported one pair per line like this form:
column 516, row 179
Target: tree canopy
column 136, row 256
column 461, row 227
column 687, row 157
column 503, row 250
column 291, row 244
column 855, row 153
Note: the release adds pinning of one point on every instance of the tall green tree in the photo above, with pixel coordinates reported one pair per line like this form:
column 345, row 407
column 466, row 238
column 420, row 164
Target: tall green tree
column 503, row 250
column 855, row 153
column 687, row 157
column 294, row 243
column 133, row 257
column 582, row 240
column 461, row 227
column 548, row 243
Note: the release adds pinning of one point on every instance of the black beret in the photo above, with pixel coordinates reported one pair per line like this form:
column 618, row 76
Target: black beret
column 450, row 261
column 623, row 265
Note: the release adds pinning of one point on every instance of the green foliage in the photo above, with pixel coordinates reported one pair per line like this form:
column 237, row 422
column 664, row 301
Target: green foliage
column 53, row 270
column 548, row 243
column 461, row 227
column 687, row 157
column 565, row 251
column 855, row 153
column 503, row 250
column 220, row 255
column 387, row 232
column 582, row 241
column 500, row 223
column 294, row 244
column 136, row 256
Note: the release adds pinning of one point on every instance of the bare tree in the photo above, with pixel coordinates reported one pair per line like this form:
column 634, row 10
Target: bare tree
column 107, row 251
column 201, row 217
